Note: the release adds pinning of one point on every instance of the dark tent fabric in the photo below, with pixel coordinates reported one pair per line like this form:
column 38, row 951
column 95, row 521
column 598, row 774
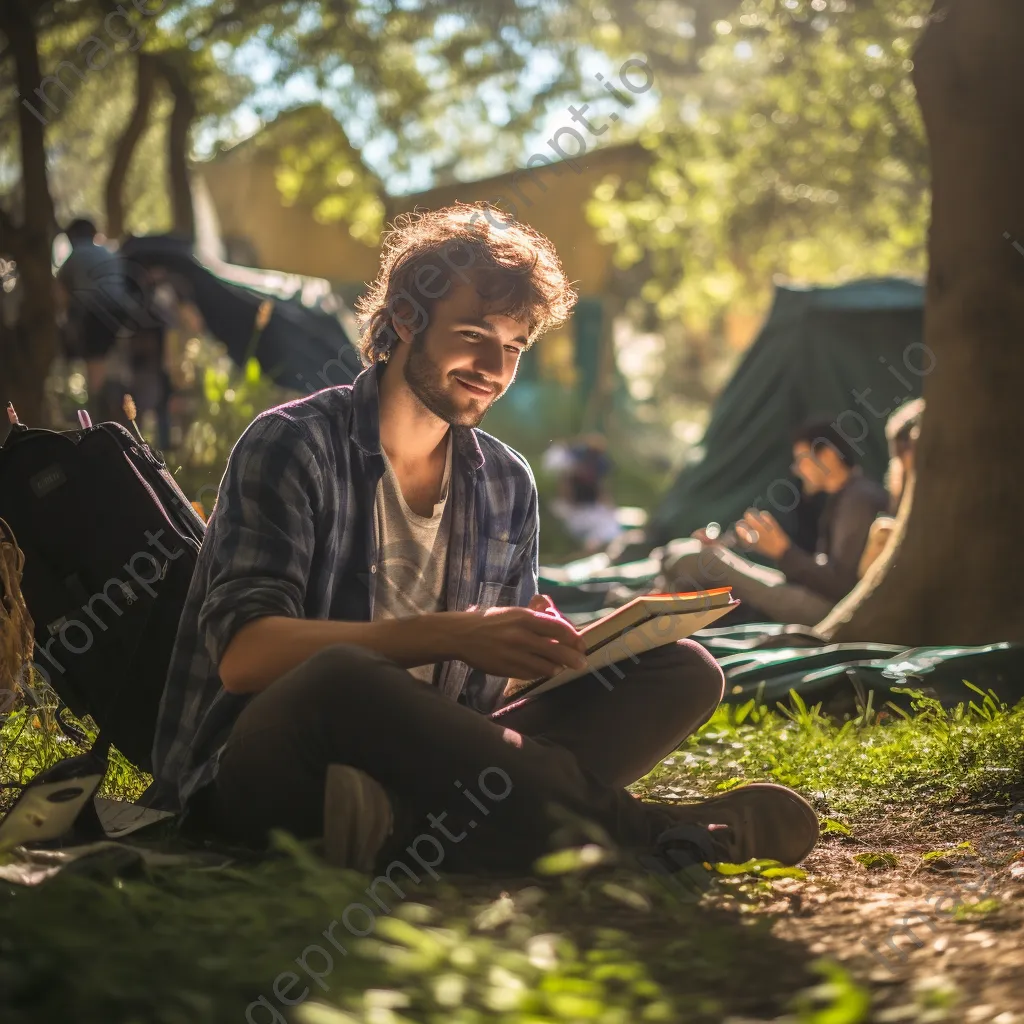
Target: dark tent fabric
column 306, row 345
column 849, row 354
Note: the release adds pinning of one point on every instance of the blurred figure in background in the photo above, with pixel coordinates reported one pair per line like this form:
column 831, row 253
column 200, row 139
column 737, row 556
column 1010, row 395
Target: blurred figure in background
column 116, row 315
column 584, row 504
column 148, row 379
column 902, row 430
column 806, row 585
column 92, row 295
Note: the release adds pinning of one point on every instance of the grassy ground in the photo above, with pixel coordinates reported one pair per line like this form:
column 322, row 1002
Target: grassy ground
column 909, row 910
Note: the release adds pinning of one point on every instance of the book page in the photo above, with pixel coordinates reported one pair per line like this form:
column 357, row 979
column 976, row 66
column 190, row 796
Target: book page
column 664, row 629
column 647, row 606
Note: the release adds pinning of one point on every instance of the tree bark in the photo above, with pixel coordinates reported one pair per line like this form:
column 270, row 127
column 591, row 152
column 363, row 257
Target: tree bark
column 144, row 90
column 27, row 351
column 180, row 126
column 956, row 577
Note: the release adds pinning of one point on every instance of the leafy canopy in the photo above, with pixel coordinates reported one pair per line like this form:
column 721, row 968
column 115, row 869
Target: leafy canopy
column 797, row 150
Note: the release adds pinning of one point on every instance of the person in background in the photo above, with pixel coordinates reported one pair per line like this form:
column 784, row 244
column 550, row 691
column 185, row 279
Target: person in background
column 149, row 382
column 91, row 292
column 584, row 503
column 902, row 430
column 805, row 585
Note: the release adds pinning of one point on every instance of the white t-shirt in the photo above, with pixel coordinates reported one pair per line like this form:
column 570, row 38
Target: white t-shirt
column 413, row 553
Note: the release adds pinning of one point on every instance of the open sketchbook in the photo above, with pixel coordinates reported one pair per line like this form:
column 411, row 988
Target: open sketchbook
column 644, row 623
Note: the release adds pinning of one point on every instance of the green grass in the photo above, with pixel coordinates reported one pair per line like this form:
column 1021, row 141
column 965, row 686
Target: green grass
column 199, row 945
column 195, row 946
column 31, row 742
column 972, row 751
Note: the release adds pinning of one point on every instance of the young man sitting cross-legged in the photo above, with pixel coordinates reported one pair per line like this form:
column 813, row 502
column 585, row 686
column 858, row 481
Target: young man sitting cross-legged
column 368, row 585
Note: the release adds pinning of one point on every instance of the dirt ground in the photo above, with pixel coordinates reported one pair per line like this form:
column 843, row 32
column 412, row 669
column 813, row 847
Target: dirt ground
column 932, row 931
column 895, row 926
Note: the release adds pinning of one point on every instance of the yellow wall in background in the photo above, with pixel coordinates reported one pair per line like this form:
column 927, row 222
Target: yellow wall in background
column 551, row 199
column 249, row 207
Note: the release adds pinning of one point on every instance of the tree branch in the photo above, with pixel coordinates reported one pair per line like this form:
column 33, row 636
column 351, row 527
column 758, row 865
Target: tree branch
column 114, row 193
column 182, row 116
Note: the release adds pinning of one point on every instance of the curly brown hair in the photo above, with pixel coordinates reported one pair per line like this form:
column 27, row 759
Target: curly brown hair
column 507, row 262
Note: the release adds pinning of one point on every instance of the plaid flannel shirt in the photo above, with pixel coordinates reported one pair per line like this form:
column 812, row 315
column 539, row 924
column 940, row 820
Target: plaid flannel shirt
column 292, row 534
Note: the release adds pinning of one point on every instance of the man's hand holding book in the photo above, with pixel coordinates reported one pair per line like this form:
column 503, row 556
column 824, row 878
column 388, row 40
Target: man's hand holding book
column 521, row 643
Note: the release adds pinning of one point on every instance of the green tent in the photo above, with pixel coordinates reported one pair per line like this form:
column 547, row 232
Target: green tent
column 850, row 354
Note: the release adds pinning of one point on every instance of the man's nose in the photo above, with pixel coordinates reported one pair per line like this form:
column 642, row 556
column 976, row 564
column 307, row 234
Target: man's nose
column 489, row 361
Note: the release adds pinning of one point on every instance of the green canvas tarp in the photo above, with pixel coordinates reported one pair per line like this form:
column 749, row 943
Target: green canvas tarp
column 759, row 661
column 849, row 354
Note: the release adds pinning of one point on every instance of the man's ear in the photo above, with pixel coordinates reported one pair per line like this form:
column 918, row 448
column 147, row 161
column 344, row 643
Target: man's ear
column 403, row 320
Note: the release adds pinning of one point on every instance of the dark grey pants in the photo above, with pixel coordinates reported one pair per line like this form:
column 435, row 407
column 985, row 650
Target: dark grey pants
column 691, row 566
column 499, row 783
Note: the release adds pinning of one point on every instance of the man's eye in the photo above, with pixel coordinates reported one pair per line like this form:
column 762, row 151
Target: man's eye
column 474, row 335
column 514, row 349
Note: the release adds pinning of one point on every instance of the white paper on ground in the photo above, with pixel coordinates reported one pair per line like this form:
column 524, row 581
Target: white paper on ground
column 120, row 818
column 47, row 810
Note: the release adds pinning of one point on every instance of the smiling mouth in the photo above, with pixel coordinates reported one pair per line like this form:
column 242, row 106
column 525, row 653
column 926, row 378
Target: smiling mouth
column 476, row 389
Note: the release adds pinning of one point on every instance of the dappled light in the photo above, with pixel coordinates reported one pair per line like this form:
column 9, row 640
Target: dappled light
column 508, row 512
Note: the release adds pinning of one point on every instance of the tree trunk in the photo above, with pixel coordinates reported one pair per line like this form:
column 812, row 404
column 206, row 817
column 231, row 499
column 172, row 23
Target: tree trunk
column 144, row 89
column 182, row 116
column 27, row 351
column 956, row 577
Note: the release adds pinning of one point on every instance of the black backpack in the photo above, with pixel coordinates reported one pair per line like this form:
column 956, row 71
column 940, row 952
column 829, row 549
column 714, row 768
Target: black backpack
column 110, row 544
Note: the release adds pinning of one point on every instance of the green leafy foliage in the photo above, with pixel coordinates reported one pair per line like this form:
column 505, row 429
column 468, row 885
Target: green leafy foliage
column 174, row 945
column 877, row 861
column 234, row 396
column 798, row 151
column 964, row 849
column 761, row 868
column 831, row 826
column 425, row 88
column 31, row 743
column 837, row 1000
column 968, row 911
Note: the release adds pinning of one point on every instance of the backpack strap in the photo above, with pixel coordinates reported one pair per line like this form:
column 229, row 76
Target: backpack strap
column 69, row 729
